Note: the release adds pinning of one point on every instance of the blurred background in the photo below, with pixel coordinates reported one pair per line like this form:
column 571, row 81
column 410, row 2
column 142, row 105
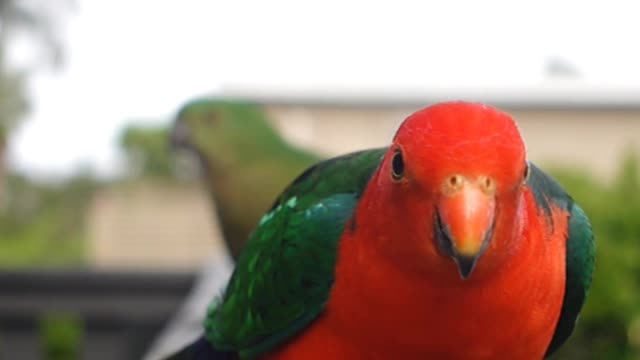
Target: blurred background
column 115, row 139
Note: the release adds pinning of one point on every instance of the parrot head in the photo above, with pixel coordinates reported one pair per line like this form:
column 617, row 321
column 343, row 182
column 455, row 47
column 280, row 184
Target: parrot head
column 221, row 131
column 451, row 185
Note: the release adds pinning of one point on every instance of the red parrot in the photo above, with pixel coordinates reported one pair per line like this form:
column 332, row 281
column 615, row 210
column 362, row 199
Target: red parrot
column 448, row 244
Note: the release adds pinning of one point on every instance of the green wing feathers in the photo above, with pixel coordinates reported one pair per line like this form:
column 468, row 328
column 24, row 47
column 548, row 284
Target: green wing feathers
column 283, row 278
column 579, row 270
column 580, row 256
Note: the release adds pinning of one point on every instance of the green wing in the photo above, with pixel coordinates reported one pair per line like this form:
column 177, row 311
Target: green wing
column 580, row 251
column 283, row 278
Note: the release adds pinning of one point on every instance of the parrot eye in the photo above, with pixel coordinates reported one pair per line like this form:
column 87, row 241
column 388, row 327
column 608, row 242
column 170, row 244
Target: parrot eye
column 397, row 165
column 210, row 117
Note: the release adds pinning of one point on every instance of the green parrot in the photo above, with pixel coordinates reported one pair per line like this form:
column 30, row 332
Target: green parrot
column 246, row 162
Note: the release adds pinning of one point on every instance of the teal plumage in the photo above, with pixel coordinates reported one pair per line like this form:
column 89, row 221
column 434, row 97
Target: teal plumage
column 284, row 276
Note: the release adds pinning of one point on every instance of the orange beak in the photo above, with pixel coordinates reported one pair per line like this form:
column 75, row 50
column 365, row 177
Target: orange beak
column 464, row 224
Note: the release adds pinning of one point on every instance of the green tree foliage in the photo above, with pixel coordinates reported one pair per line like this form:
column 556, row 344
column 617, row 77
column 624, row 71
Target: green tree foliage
column 13, row 104
column 44, row 224
column 61, row 337
column 147, row 150
column 38, row 21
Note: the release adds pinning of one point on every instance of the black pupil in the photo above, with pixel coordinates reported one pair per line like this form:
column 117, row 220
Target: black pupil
column 397, row 165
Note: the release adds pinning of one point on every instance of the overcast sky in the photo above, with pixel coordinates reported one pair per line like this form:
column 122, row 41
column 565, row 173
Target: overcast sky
column 138, row 60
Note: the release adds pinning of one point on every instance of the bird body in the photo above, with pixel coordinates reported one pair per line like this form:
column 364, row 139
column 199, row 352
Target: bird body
column 513, row 310
column 448, row 244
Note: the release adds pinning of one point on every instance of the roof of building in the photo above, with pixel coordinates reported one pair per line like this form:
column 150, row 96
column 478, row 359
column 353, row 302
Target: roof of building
column 552, row 96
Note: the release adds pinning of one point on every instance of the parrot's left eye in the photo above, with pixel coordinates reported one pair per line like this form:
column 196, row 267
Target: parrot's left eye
column 210, row 117
column 397, row 165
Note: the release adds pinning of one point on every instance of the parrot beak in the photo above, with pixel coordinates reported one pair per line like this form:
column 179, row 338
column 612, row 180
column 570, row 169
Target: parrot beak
column 464, row 224
column 179, row 137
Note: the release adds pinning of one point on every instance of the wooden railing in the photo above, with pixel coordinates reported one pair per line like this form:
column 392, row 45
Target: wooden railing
column 117, row 314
